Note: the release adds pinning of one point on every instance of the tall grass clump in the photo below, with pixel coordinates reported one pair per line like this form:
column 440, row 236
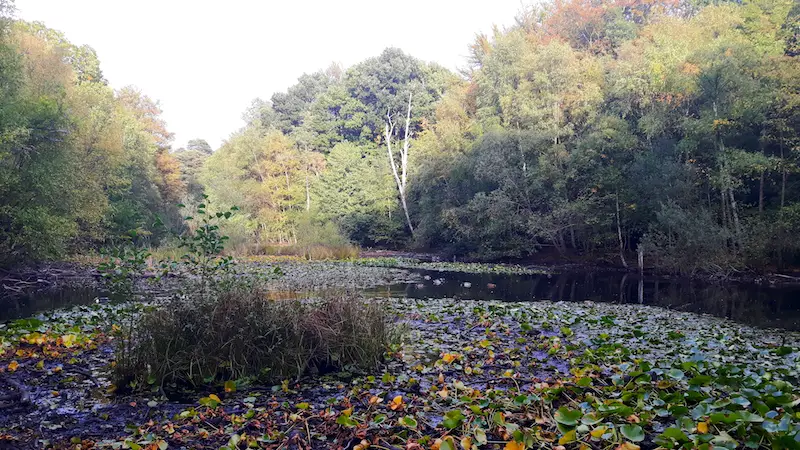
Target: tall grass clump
column 240, row 333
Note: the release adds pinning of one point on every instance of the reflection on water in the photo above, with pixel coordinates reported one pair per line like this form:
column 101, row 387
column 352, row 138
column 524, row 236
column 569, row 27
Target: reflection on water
column 32, row 303
column 758, row 305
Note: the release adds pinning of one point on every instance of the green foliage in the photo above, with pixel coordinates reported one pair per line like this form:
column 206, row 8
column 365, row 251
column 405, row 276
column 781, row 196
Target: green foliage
column 204, row 246
column 585, row 129
column 357, row 193
column 600, row 129
column 684, row 241
column 122, row 266
column 78, row 162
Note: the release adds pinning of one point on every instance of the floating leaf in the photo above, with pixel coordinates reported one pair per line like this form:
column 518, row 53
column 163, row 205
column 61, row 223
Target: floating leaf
column 346, row 421
column 566, row 416
column 453, row 419
column 569, row 436
column 632, row 432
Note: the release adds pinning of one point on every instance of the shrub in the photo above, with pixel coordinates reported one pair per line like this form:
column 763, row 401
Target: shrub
column 240, row 333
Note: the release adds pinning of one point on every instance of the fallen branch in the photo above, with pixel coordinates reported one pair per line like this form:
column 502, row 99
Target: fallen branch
column 786, row 276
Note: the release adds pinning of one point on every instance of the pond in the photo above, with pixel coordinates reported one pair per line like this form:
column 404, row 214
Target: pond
column 27, row 305
column 753, row 304
column 759, row 305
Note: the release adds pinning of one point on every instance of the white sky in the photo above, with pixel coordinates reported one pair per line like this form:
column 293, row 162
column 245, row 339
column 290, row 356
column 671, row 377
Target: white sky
column 205, row 61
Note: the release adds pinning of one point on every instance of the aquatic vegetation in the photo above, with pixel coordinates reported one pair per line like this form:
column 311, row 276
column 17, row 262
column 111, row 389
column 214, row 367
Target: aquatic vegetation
column 525, row 375
column 466, row 375
column 316, row 275
column 443, row 266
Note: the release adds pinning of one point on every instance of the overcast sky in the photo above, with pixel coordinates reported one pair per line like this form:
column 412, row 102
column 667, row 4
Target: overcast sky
column 205, row 61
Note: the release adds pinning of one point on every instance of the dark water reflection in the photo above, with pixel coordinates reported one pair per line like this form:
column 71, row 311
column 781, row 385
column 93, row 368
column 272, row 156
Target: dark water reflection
column 32, row 303
column 759, row 305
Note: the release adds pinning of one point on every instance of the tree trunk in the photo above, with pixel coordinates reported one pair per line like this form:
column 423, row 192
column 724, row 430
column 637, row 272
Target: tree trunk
column 723, row 208
column 619, row 235
column 400, row 178
column 735, row 216
column 783, row 188
column 761, row 193
column 572, row 237
column 308, row 194
column 783, row 168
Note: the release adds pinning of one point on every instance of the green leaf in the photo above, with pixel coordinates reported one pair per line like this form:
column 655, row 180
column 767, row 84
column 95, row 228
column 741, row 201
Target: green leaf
column 480, row 436
column 408, row 421
column 447, row 444
column 676, row 374
column 632, row 432
column 453, row 419
column 347, row 421
column 675, row 433
column 569, row 436
column 566, row 416
column 700, row 380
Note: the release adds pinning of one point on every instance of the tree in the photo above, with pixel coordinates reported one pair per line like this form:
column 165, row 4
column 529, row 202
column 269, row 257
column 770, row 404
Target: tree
column 199, row 145
column 356, row 192
column 401, row 173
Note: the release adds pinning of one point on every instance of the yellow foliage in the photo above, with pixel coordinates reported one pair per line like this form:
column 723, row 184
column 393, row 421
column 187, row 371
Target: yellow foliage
column 397, row 403
column 514, row 445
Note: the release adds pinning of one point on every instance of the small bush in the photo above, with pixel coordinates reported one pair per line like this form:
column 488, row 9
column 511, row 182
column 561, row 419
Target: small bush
column 240, row 333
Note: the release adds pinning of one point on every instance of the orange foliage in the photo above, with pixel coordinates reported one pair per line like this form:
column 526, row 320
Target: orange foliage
column 584, row 23
column 171, row 186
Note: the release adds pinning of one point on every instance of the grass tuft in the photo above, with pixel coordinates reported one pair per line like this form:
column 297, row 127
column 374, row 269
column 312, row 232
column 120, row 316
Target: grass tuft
column 241, row 333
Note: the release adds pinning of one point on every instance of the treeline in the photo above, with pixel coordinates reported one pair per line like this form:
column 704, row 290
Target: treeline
column 589, row 127
column 80, row 164
column 597, row 128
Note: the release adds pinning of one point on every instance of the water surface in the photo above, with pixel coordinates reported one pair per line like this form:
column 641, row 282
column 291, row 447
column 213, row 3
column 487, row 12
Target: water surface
column 753, row 304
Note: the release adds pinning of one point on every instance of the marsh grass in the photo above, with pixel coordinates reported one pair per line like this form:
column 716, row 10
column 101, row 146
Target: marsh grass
column 241, row 333
column 309, row 252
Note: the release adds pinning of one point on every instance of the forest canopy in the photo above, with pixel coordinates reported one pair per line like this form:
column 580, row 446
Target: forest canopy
column 598, row 128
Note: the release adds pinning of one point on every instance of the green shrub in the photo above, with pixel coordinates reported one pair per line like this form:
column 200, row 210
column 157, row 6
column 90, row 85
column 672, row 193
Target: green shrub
column 240, row 333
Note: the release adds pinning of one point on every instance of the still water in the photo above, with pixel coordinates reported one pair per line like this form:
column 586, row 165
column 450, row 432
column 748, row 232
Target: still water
column 758, row 305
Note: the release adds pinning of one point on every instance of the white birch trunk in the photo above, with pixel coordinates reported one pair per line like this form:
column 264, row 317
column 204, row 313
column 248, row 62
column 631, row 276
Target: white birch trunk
column 401, row 175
